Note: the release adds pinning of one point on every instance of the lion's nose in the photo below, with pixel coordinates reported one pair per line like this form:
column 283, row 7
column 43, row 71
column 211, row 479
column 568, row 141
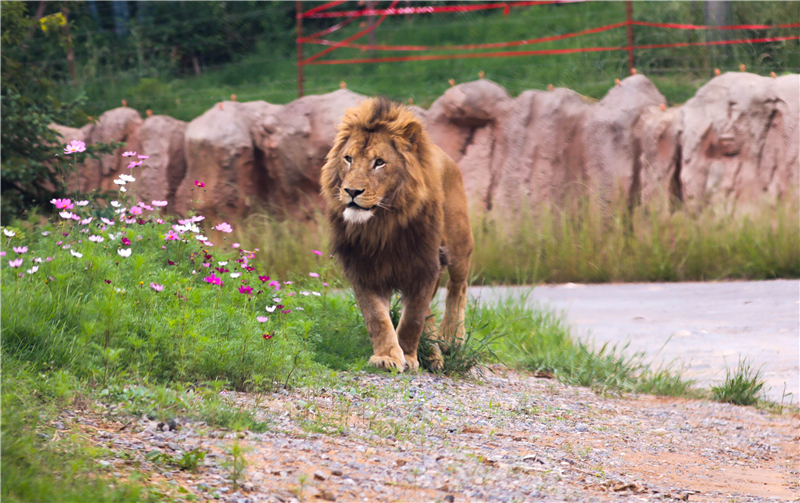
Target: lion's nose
column 354, row 192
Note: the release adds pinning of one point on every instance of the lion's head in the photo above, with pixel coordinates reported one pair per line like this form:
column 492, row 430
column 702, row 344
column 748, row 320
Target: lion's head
column 375, row 168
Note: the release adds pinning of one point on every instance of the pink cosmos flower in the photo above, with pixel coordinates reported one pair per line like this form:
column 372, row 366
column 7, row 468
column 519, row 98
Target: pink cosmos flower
column 134, row 164
column 313, row 275
column 75, row 217
column 224, row 227
column 288, row 282
column 129, row 220
column 172, row 236
column 159, row 221
column 20, row 249
column 199, row 184
column 75, row 146
column 213, row 280
column 15, row 263
column 156, row 287
column 128, row 154
column 197, row 218
column 247, row 290
column 107, row 221
column 135, row 210
column 2, row 254
column 235, row 245
column 145, row 206
column 160, row 203
column 324, row 284
column 62, row 204
column 144, row 157
column 262, row 319
column 275, row 284
column 96, row 239
column 86, row 221
column 316, row 252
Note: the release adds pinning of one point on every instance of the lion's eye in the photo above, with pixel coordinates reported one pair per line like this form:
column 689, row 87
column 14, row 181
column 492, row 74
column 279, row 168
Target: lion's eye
column 379, row 163
column 348, row 159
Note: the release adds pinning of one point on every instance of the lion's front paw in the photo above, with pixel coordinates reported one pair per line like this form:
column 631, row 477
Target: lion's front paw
column 388, row 362
column 411, row 362
column 436, row 358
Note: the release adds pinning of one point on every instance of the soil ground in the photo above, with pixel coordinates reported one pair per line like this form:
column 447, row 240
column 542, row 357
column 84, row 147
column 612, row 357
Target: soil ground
column 507, row 436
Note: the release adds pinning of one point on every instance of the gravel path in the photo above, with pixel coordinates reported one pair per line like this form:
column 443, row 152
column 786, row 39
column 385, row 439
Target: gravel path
column 506, row 437
column 705, row 326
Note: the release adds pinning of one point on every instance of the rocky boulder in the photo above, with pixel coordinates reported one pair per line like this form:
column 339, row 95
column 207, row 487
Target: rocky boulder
column 739, row 141
column 162, row 139
column 117, row 125
column 294, row 141
column 220, row 152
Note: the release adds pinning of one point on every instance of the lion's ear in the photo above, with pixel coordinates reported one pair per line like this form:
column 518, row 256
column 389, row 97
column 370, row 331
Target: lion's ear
column 412, row 132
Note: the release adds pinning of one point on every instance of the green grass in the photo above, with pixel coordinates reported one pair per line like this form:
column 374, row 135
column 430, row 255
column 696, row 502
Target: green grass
column 742, row 385
column 269, row 73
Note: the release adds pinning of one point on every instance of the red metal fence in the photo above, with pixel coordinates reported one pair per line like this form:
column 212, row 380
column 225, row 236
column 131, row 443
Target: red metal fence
column 324, row 11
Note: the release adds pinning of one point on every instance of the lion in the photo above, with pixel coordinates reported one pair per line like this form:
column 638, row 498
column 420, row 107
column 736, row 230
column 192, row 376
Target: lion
column 398, row 215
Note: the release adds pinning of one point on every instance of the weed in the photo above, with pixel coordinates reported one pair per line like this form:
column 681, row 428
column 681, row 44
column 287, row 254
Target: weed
column 742, row 386
column 236, row 464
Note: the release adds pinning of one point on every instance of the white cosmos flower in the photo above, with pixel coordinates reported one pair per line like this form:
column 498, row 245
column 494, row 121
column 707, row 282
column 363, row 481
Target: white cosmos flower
column 76, row 254
column 116, row 204
column 38, row 260
column 193, row 228
column 33, row 269
column 305, row 293
column 9, row 233
column 316, row 294
column 200, row 237
column 119, row 181
column 299, row 309
column 45, row 233
column 235, row 275
column 223, row 262
column 124, row 252
column 97, row 239
column 119, row 290
column 127, row 178
column 276, row 299
column 271, row 309
column 123, row 189
column 81, row 203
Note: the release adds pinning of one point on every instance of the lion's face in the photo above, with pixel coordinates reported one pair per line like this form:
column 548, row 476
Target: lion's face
column 371, row 170
column 374, row 168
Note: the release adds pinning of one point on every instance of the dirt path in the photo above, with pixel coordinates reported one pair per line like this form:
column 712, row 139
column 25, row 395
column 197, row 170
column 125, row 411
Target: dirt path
column 704, row 326
column 509, row 437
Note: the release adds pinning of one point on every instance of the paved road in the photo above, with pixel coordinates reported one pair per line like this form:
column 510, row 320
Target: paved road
column 705, row 326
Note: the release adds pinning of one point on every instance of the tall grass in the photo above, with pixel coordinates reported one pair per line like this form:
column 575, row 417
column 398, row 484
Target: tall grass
column 580, row 244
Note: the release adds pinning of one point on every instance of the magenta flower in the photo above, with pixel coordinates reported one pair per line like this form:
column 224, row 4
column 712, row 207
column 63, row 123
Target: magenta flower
column 224, row 227
column 316, row 252
column 214, row 280
column 128, row 154
column 286, row 311
column 144, row 157
column 160, row 203
column 262, row 319
column 15, row 263
column 199, row 184
column 170, row 262
column 264, row 279
column 247, row 290
column 75, row 146
column 172, row 236
column 222, row 270
column 20, row 249
column 313, row 275
column 267, row 336
column 126, row 241
column 156, row 287
column 62, row 204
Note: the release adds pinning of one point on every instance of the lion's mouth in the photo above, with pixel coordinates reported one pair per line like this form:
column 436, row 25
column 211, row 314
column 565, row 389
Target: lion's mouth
column 355, row 206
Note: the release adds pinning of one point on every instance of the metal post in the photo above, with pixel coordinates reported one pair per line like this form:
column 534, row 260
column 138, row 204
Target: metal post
column 299, row 8
column 629, row 12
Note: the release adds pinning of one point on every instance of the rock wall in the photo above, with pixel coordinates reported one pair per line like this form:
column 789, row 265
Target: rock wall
column 733, row 146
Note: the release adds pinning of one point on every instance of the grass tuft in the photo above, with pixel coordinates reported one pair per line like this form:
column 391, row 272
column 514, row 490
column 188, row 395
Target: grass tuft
column 742, row 385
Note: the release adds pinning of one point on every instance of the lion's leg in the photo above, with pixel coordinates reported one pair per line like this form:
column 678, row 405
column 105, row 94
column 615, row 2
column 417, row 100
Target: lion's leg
column 431, row 330
column 416, row 307
column 452, row 329
column 375, row 308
